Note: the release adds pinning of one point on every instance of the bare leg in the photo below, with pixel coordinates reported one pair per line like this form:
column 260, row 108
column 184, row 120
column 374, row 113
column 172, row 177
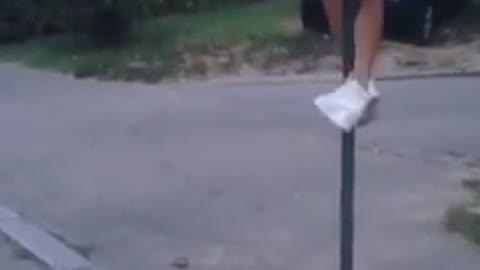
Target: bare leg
column 353, row 103
column 368, row 33
column 333, row 9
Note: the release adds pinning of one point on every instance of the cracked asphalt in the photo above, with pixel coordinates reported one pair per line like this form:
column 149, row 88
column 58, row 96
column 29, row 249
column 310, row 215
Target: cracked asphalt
column 235, row 176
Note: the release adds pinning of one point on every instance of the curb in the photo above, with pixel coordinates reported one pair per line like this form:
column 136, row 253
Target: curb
column 335, row 77
column 45, row 248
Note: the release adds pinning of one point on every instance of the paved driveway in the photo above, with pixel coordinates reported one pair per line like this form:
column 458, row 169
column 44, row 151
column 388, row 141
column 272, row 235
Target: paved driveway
column 237, row 176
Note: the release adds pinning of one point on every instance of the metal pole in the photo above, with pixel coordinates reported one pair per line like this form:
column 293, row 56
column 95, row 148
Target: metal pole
column 347, row 212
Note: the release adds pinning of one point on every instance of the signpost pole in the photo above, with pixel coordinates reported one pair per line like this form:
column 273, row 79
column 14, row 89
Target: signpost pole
column 347, row 211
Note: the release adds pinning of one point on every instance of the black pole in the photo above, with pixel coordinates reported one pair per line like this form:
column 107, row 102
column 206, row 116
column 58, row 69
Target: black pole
column 347, row 211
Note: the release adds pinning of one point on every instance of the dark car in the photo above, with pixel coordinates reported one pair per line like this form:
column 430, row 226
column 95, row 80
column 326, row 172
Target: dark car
column 406, row 20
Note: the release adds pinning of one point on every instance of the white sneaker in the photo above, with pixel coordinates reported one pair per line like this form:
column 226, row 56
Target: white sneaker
column 371, row 112
column 346, row 106
column 373, row 90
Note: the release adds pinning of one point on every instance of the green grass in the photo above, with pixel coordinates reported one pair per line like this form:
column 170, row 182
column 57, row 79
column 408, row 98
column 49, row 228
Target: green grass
column 459, row 220
column 224, row 26
column 160, row 43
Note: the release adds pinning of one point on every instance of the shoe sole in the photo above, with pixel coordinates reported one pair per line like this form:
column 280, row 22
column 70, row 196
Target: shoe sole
column 371, row 113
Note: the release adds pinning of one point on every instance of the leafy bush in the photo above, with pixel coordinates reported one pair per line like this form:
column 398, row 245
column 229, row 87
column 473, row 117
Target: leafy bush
column 14, row 16
column 106, row 20
column 20, row 19
column 109, row 26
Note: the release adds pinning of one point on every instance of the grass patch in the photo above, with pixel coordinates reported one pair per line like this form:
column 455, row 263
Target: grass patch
column 224, row 26
column 172, row 45
column 460, row 219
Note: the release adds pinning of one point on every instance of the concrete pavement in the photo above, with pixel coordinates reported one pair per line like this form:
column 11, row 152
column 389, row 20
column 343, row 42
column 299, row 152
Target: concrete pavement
column 234, row 177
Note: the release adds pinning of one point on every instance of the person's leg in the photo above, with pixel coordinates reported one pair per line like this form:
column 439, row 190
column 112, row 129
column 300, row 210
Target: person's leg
column 347, row 106
column 333, row 9
column 367, row 36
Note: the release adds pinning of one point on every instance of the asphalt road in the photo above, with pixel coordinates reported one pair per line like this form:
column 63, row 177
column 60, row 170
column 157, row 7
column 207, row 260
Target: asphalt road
column 235, row 176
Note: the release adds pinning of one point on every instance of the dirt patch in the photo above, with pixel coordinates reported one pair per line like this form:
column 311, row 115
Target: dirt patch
column 464, row 57
column 454, row 48
column 304, row 53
